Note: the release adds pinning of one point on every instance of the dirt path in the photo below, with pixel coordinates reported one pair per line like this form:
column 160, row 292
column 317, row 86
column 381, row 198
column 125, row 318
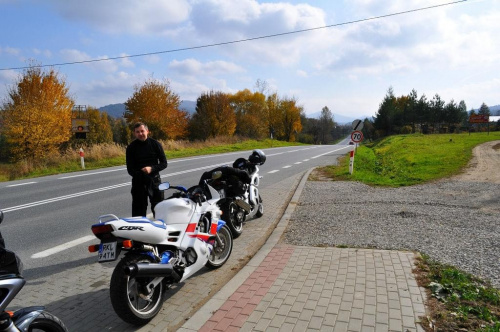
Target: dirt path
column 485, row 164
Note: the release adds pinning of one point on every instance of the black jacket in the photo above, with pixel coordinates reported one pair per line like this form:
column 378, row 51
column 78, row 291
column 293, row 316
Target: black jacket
column 140, row 154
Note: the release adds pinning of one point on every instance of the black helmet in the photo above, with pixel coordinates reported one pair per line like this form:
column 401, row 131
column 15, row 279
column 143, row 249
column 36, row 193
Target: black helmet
column 257, row 157
column 240, row 163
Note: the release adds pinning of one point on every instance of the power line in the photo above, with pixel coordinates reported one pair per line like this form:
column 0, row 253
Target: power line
column 241, row 40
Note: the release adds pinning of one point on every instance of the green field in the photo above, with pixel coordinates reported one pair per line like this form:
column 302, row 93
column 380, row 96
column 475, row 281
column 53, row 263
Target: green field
column 405, row 160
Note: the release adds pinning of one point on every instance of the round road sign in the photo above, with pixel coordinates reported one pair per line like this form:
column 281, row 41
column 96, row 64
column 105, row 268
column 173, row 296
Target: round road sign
column 356, row 136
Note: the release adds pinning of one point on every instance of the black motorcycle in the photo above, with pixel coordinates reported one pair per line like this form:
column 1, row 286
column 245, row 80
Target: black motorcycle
column 238, row 187
column 25, row 319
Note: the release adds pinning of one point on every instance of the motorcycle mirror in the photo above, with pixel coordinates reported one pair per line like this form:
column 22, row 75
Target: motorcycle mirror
column 1, row 216
column 216, row 175
column 164, row 186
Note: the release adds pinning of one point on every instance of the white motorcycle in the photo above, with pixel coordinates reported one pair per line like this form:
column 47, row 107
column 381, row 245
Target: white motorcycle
column 11, row 282
column 186, row 236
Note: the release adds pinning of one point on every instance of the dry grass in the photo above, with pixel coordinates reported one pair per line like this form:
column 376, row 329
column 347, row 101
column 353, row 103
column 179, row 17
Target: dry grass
column 111, row 154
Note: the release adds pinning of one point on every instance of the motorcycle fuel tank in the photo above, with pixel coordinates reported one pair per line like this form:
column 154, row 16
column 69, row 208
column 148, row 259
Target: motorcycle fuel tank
column 175, row 210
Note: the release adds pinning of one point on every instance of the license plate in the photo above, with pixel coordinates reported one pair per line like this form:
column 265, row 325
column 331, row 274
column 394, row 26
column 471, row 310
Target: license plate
column 222, row 194
column 107, row 252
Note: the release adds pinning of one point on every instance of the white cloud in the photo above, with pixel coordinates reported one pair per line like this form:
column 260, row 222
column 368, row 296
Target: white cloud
column 10, row 51
column 130, row 16
column 192, row 67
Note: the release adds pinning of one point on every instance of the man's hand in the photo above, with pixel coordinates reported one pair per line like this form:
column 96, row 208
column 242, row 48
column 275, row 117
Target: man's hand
column 146, row 169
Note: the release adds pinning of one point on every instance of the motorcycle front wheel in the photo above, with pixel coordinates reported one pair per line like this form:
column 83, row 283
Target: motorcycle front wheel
column 221, row 251
column 47, row 322
column 233, row 215
column 130, row 298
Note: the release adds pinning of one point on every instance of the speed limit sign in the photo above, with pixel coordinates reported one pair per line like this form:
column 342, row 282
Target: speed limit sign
column 356, row 136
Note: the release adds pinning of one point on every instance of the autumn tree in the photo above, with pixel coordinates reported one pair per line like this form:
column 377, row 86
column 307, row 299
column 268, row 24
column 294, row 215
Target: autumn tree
column 37, row 114
column 214, row 116
column 99, row 127
column 274, row 121
column 121, row 132
column 291, row 112
column 155, row 104
column 250, row 111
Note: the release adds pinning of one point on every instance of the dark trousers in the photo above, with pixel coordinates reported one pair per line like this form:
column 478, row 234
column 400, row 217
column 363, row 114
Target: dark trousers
column 141, row 190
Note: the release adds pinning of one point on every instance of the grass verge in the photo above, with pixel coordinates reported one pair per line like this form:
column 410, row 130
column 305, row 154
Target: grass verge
column 457, row 301
column 101, row 156
column 405, row 160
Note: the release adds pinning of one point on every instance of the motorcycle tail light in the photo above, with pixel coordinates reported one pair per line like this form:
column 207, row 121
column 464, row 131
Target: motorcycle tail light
column 94, row 248
column 101, row 229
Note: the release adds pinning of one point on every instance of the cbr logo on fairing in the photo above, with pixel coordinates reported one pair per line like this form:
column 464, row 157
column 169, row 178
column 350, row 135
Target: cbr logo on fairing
column 131, row 228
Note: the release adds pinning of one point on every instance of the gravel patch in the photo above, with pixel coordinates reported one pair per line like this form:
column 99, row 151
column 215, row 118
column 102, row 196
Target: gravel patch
column 453, row 221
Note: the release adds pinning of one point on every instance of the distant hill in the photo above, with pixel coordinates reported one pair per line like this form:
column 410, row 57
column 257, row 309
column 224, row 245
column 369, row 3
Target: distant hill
column 117, row 110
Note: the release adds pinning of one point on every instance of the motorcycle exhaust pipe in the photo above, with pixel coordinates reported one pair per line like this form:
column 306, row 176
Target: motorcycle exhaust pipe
column 244, row 205
column 151, row 270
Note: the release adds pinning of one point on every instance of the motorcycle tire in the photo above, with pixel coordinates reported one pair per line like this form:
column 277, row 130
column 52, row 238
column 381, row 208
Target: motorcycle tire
column 48, row 323
column 129, row 297
column 260, row 209
column 220, row 253
column 234, row 217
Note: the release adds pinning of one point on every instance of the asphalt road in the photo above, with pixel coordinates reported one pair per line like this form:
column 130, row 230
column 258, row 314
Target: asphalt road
column 47, row 219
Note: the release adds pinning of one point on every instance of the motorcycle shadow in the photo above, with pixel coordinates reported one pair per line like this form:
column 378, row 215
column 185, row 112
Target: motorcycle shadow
column 79, row 296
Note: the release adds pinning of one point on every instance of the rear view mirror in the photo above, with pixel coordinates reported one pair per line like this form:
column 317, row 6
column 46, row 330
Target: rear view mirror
column 164, row 186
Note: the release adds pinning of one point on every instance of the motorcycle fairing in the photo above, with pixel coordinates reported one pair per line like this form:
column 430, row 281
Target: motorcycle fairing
column 157, row 223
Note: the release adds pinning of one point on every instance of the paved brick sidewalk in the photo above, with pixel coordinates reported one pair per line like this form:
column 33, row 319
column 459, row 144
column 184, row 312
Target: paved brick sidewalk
column 293, row 288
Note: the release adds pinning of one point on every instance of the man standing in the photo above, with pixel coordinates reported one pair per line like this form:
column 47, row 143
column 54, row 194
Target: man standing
column 145, row 159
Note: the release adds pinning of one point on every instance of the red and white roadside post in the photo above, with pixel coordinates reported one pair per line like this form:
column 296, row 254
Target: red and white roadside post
column 82, row 161
column 351, row 162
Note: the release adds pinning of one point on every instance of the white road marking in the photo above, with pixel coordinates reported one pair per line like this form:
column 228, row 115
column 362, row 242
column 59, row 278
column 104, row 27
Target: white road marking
column 20, row 184
column 93, row 173
column 274, row 171
column 298, row 162
column 287, row 166
column 64, row 246
column 93, row 191
column 329, row 152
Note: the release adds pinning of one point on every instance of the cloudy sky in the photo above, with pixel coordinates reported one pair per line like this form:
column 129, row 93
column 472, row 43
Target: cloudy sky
column 452, row 50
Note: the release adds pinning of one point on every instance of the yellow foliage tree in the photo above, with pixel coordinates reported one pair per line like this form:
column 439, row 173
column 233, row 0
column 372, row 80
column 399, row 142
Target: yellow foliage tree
column 99, row 127
column 37, row 115
column 214, row 116
column 155, row 104
column 283, row 116
column 291, row 118
column 251, row 113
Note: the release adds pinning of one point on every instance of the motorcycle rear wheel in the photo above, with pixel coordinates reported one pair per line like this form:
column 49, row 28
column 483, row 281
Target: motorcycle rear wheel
column 48, row 323
column 129, row 297
column 220, row 253
column 260, row 209
column 234, row 217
